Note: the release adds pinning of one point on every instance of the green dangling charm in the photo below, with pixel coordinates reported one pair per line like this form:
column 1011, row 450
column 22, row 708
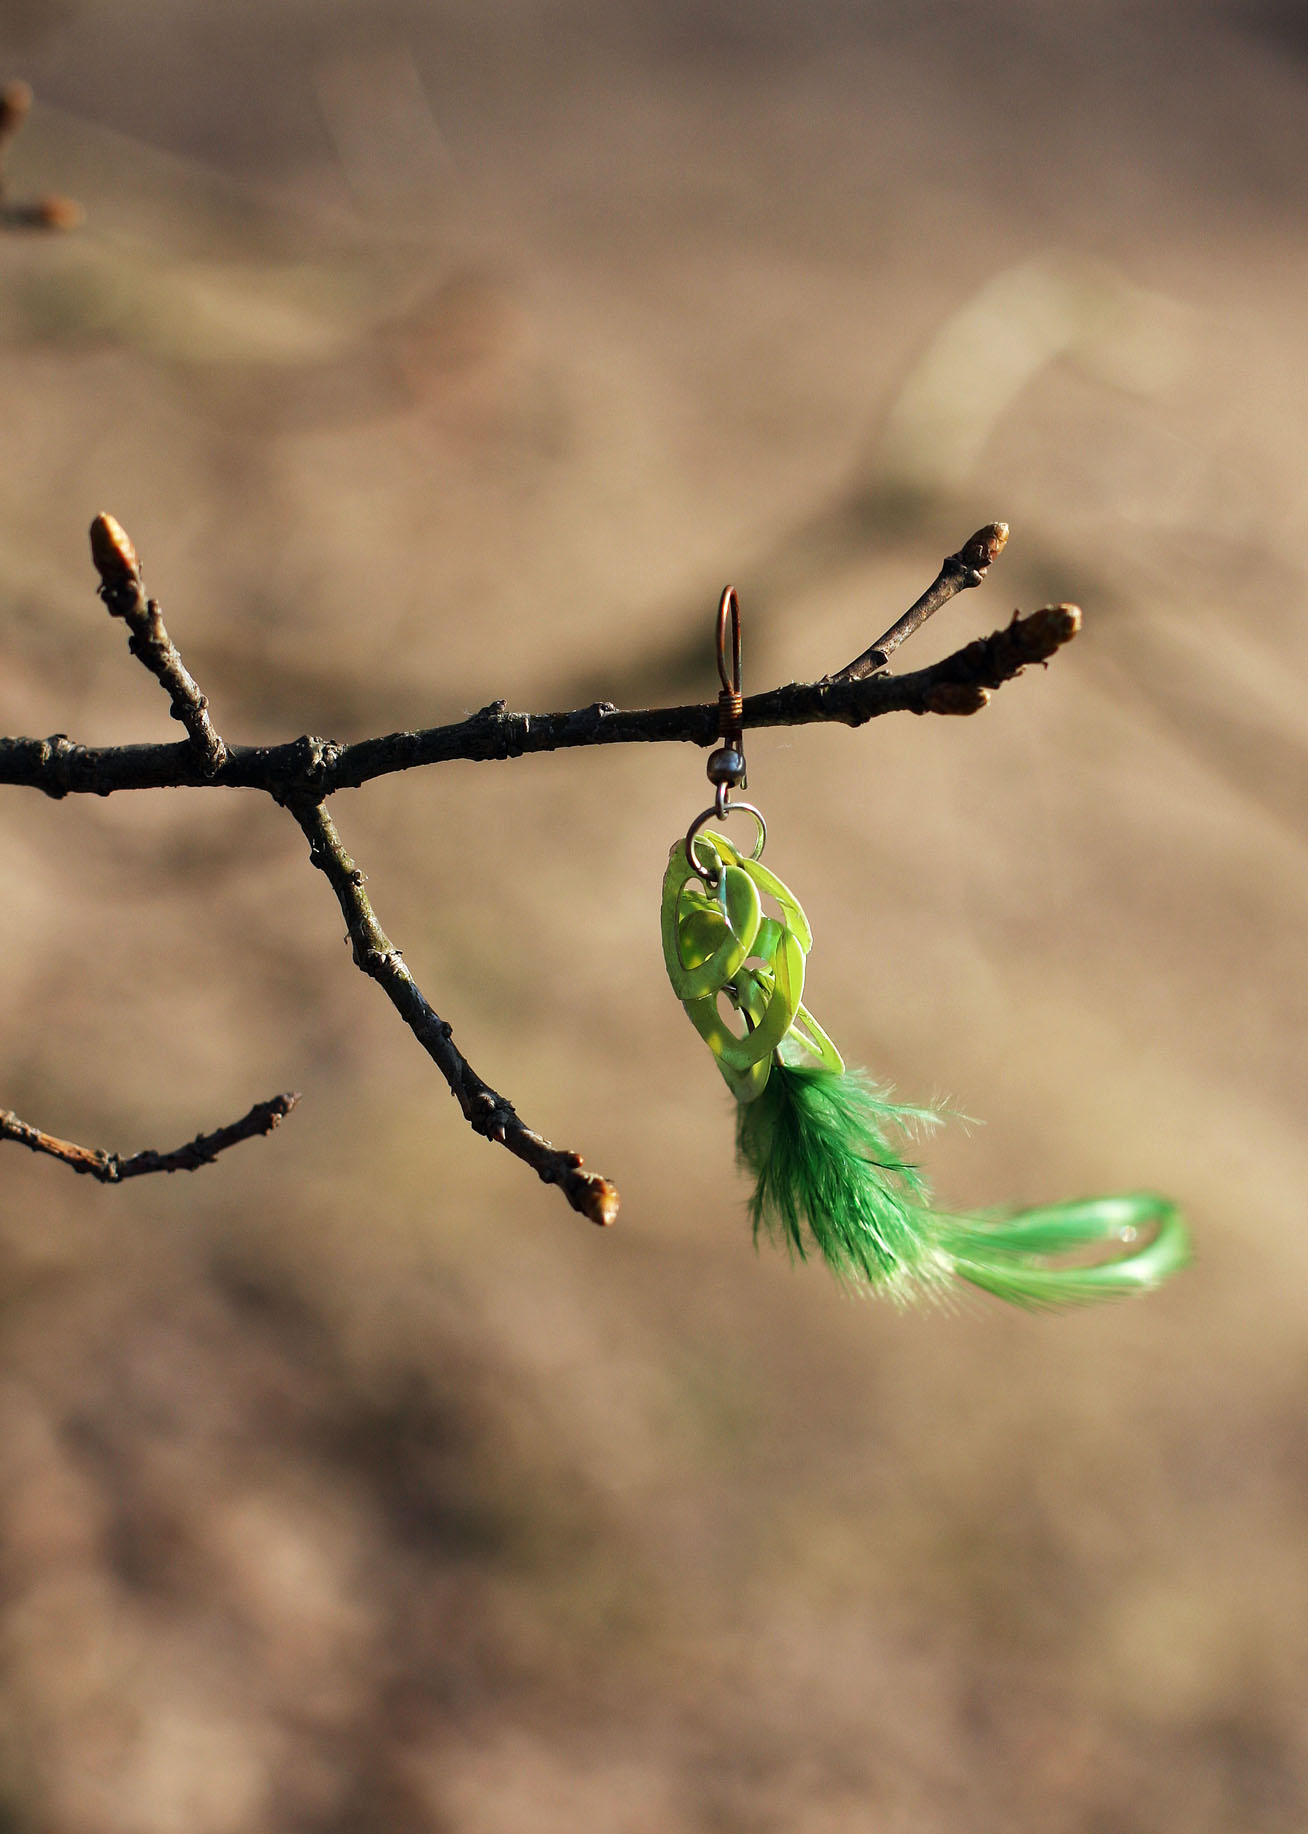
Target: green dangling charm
column 826, row 1146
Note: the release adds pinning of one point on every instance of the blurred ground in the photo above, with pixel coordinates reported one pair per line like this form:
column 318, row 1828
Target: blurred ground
column 433, row 353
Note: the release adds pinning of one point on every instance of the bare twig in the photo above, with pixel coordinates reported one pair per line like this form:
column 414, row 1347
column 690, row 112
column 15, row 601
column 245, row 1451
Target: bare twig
column 45, row 212
column 957, row 572
column 113, row 1168
column 485, row 1111
column 301, row 775
column 122, row 590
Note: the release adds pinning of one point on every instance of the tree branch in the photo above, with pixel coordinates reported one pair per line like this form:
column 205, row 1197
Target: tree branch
column 113, row 1168
column 960, row 683
column 957, row 572
column 486, row 1112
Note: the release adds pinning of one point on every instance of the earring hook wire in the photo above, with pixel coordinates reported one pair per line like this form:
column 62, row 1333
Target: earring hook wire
column 729, row 667
column 726, row 764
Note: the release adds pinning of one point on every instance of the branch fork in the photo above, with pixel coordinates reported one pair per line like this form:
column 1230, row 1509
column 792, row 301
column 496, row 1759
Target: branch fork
column 301, row 775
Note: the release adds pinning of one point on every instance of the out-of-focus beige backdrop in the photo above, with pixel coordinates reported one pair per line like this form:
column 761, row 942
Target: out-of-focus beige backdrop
column 433, row 353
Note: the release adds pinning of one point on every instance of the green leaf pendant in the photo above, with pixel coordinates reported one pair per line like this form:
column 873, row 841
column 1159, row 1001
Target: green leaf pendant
column 827, row 1148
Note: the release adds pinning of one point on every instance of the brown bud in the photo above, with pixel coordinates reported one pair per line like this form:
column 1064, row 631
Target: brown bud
column 15, row 100
column 57, row 213
column 957, row 697
column 1049, row 628
column 981, row 550
column 113, row 554
column 599, row 1201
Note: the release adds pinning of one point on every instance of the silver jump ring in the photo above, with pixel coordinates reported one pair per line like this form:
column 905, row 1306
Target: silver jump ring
column 732, row 808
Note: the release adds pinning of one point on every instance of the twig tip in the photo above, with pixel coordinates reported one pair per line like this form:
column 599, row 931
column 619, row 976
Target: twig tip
column 113, row 553
column 55, row 212
column 983, row 549
column 599, row 1202
column 15, row 101
column 1059, row 622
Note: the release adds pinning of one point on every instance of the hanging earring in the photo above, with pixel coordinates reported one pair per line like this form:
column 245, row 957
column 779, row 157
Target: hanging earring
column 827, row 1148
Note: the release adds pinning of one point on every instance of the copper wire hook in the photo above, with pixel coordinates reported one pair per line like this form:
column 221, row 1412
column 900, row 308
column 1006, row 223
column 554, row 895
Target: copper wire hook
column 729, row 611
column 730, row 702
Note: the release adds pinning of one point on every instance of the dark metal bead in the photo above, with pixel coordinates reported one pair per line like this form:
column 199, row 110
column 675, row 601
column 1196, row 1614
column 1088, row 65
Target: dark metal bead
column 726, row 765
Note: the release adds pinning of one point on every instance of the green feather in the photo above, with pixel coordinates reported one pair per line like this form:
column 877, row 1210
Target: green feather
column 828, row 1156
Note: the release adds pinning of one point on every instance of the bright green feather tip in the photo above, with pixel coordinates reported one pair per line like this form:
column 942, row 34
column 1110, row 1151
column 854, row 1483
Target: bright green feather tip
column 828, row 1155
column 1139, row 1240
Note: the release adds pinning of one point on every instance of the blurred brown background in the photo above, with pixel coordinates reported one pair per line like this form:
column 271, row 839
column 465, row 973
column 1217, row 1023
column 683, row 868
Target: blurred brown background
column 432, row 353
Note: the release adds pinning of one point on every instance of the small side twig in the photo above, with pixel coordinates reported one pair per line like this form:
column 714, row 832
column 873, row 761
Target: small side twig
column 44, row 212
column 487, row 1112
column 113, row 1168
column 123, row 592
column 958, row 571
